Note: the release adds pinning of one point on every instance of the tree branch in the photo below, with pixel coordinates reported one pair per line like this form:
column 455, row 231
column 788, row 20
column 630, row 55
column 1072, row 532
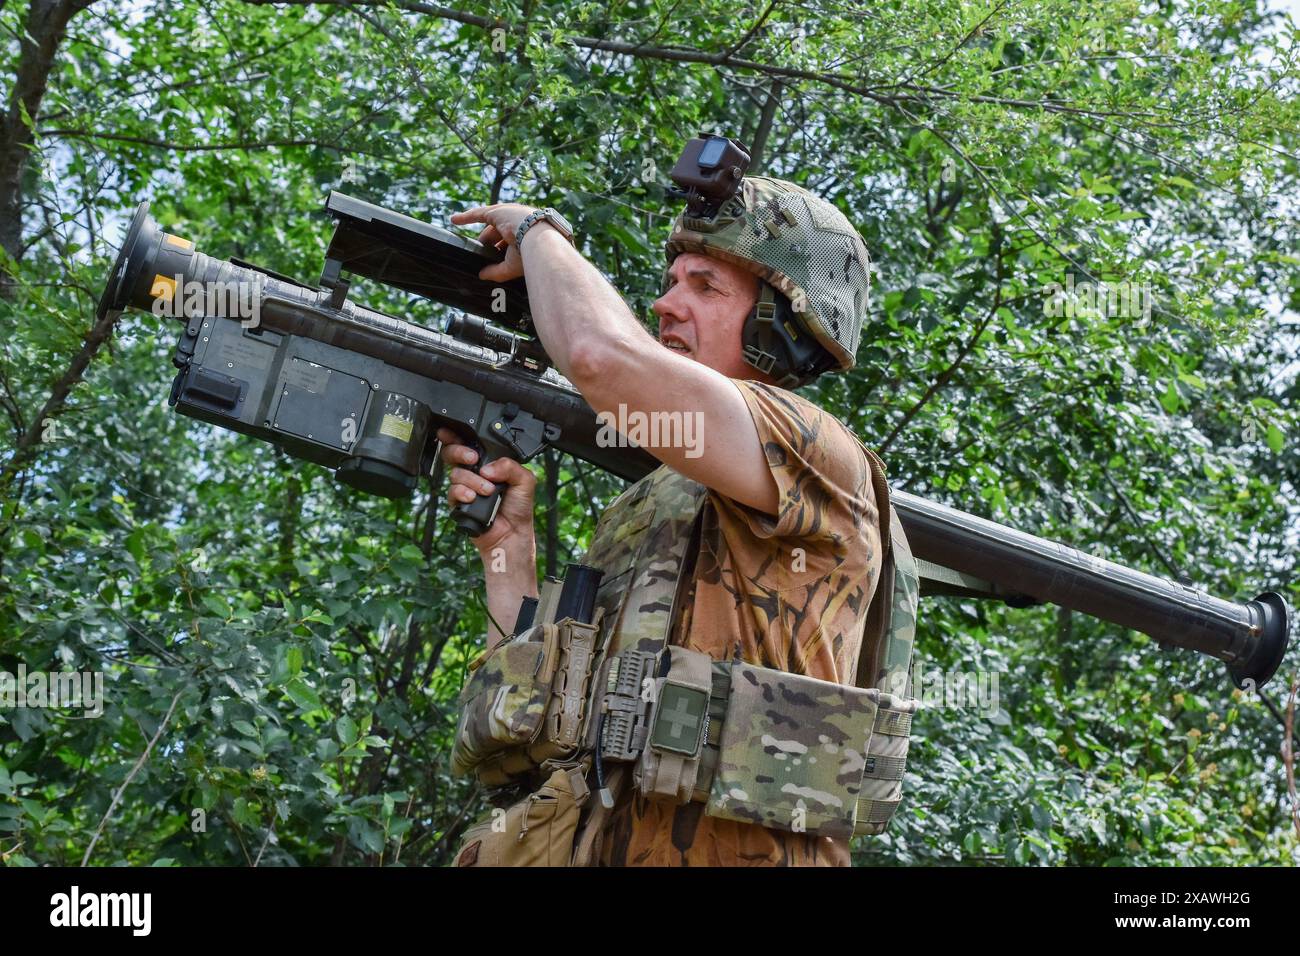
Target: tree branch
column 26, row 446
column 947, row 374
column 117, row 797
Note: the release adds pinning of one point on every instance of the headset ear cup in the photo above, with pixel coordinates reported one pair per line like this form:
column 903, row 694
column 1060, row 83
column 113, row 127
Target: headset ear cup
column 767, row 346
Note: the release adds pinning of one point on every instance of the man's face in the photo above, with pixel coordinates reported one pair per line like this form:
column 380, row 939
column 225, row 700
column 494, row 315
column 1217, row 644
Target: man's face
column 702, row 313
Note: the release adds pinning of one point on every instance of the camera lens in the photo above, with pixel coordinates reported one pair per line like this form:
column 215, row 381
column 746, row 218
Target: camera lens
column 711, row 154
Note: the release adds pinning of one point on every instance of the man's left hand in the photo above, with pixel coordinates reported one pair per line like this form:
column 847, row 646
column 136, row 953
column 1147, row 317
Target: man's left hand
column 502, row 222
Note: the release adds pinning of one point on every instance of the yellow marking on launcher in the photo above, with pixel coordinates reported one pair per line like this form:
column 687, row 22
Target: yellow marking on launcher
column 398, row 428
column 164, row 287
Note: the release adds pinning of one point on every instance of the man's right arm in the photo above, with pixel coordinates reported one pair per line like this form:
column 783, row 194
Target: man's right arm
column 506, row 590
column 509, row 548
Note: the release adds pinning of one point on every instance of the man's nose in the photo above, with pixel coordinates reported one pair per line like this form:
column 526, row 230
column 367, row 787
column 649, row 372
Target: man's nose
column 665, row 307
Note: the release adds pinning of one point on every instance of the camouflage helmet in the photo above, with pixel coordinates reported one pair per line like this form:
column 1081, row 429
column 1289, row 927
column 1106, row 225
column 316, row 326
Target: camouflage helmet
column 801, row 245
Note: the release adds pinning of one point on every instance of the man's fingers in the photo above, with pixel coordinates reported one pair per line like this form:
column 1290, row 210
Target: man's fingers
column 476, row 214
column 450, row 439
column 461, row 494
column 490, row 235
column 509, row 471
column 463, row 476
column 458, row 455
column 454, row 451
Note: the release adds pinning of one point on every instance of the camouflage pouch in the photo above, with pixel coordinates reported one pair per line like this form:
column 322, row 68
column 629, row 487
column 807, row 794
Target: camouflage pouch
column 578, row 649
column 527, row 702
column 535, row 831
column 671, row 761
column 503, row 704
column 792, row 752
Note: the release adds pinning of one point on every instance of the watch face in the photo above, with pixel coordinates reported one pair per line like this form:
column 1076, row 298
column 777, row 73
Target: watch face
column 558, row 220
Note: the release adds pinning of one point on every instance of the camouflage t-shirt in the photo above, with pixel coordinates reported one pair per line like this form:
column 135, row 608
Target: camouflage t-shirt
column 791, row 591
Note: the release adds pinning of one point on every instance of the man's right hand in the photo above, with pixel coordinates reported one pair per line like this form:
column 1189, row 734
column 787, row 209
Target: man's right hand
column 513, row 527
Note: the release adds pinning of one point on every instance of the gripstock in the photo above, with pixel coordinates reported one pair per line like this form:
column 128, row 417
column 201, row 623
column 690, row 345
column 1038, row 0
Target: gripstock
column 316, row 360
column 354, row 389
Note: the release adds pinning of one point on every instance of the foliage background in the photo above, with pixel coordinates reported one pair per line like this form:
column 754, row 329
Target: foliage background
column 284, row 655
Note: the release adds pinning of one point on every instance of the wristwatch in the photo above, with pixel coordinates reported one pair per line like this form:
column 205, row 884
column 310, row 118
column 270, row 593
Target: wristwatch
column 551, row 216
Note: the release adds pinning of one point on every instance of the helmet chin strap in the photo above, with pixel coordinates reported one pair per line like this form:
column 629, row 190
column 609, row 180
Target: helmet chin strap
column 774, row 341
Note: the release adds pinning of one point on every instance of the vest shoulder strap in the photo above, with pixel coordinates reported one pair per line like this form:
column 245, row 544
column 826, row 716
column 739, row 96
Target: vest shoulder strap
column 880, row 482
column 885, row 651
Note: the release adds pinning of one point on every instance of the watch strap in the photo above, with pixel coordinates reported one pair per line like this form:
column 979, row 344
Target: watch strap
column 536, row 217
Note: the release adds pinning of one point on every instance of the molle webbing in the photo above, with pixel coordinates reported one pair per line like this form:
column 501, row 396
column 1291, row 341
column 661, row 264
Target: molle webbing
column 645, row 568
column 882, row 779
column 641, row 544
column 884, row 768
column 895, row 723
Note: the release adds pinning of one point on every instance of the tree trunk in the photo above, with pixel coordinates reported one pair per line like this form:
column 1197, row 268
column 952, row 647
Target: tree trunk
column 46, row 26
column 765, row 118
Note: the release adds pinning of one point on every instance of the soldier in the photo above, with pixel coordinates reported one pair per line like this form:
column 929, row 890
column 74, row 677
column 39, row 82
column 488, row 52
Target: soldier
column 771, row 509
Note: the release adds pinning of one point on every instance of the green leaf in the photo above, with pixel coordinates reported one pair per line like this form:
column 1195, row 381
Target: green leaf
column 135, row 545
column 346, row 728
column 303, row 695
column 1170, row 400
column 366, row 836
column 243, row 813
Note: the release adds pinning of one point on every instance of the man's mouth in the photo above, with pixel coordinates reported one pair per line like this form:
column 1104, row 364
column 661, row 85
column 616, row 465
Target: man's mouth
column 676, row 344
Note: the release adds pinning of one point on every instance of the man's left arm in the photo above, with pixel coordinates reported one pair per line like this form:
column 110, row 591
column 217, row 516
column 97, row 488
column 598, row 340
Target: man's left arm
column 598, row 344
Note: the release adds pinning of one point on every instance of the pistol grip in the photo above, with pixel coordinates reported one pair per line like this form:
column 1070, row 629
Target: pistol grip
column 475, row 518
